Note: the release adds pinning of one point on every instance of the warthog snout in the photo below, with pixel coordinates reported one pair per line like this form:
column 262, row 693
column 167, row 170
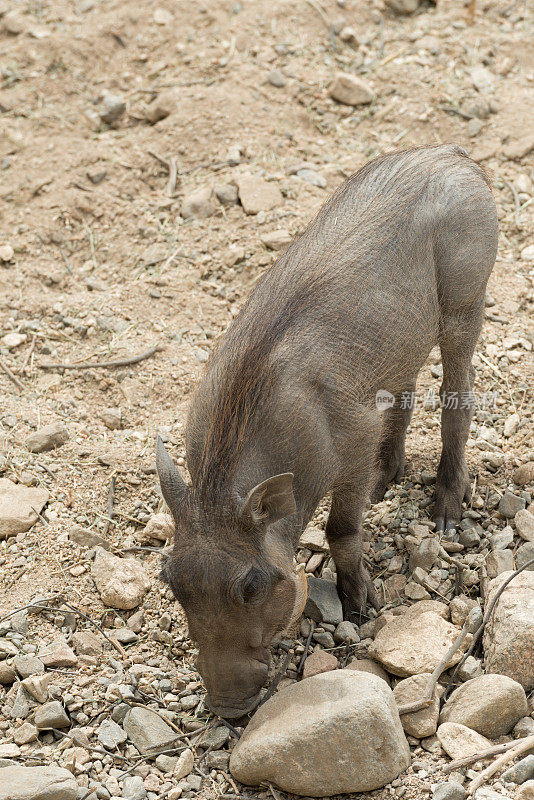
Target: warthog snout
column 233, row 683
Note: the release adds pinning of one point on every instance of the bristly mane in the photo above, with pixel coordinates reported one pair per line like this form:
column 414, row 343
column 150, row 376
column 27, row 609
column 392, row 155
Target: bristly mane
column 245, row 383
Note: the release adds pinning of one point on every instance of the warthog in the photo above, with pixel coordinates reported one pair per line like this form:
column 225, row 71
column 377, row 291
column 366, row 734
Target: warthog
column 395, row 263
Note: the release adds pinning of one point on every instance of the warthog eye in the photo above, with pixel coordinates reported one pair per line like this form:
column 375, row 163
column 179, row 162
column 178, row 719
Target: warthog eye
column 252, row 587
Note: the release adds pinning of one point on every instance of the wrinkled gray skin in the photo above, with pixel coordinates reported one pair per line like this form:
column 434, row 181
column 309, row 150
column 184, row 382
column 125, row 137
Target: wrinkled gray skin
column 395, row 263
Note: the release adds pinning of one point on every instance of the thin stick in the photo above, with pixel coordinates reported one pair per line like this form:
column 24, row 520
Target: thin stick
column 229, row 725
column 111, row 500
column 496, row 750
column 306, row 647
column 526, row 744
column 478, row 633
column 11, row 376
column 162, row 161
column 426, row 700
column 121, row 362
column 453, row 110
column 276, row 680
column 28, row 356
column 517, row 201
column 173, row 176
column 66, row 261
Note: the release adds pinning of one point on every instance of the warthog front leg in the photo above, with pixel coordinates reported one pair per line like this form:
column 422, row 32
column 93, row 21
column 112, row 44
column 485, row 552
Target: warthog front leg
column 344, row 532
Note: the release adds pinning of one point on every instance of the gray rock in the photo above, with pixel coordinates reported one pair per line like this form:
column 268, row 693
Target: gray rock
column 415, row 641
column 471, row 668
column 459, row 741
column 21, row 707
column 295, row 739
column 112, row 107
column 87, row 538
column 277, row 78
column 47, row 438
column 25, row 734
column 499, row 561
column 226, row 194
column 87, row 643
column 123, row 635
column 525, row 553
column 509, row 634
column 7, row 673
column 133, row 788
column 403, row 6
column 37, row 686
column 323, row 603
column 502, row 539
column 28, row 665
column 351, row 90
column 420, row 724
column 521, row 771
column 20, row 507
column 448, row 790
column 346, row 632
column 525, row 727
column 110, row 734
column 485, row 793
column 312, row 537
column 368, row 665
column 51, row 715
column 200, row 204
column 510, row 504
column 215, row 738
column 166, row 763
column 524, row 522
column 257, row 194
column 313, row 177
column 489, row 704
column 147, row 730
column 37, row 783
column 425, row 554
column 218, row 759
column 121, row 582
column 279, row 239
column 7, row 649
column 58, row 654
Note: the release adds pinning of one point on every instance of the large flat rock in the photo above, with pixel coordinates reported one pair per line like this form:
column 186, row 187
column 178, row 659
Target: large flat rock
column 415, row 642
column 20, row 507
column 489, row 704
column 37, row 783
column 509, row 634
column 338, row 732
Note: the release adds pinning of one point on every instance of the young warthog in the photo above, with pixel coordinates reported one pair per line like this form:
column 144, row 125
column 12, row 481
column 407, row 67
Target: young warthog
column 396, row 262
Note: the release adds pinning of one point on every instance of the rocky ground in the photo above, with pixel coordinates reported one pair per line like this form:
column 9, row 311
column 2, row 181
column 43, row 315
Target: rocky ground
column 153, row 161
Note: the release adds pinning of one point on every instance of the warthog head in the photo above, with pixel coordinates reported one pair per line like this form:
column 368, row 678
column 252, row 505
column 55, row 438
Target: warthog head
column 235, row 579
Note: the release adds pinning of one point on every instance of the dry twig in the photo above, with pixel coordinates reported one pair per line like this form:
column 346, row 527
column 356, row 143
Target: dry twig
column 111, row 500
column 480, row 755
column 525, row 744
column 12, row 377
column 121, row 362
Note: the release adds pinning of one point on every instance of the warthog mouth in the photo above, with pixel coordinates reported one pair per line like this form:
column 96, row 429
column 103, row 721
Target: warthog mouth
column 234, row 711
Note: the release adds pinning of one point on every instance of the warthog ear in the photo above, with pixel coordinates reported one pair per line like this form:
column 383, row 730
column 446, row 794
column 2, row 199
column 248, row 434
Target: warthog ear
column 270, row 500
column 172, row 485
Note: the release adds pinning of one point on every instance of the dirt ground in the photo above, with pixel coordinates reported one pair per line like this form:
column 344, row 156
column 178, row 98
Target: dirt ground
column 104, row 266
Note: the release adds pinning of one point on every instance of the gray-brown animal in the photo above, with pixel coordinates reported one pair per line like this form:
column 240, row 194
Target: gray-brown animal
column 395, row 263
